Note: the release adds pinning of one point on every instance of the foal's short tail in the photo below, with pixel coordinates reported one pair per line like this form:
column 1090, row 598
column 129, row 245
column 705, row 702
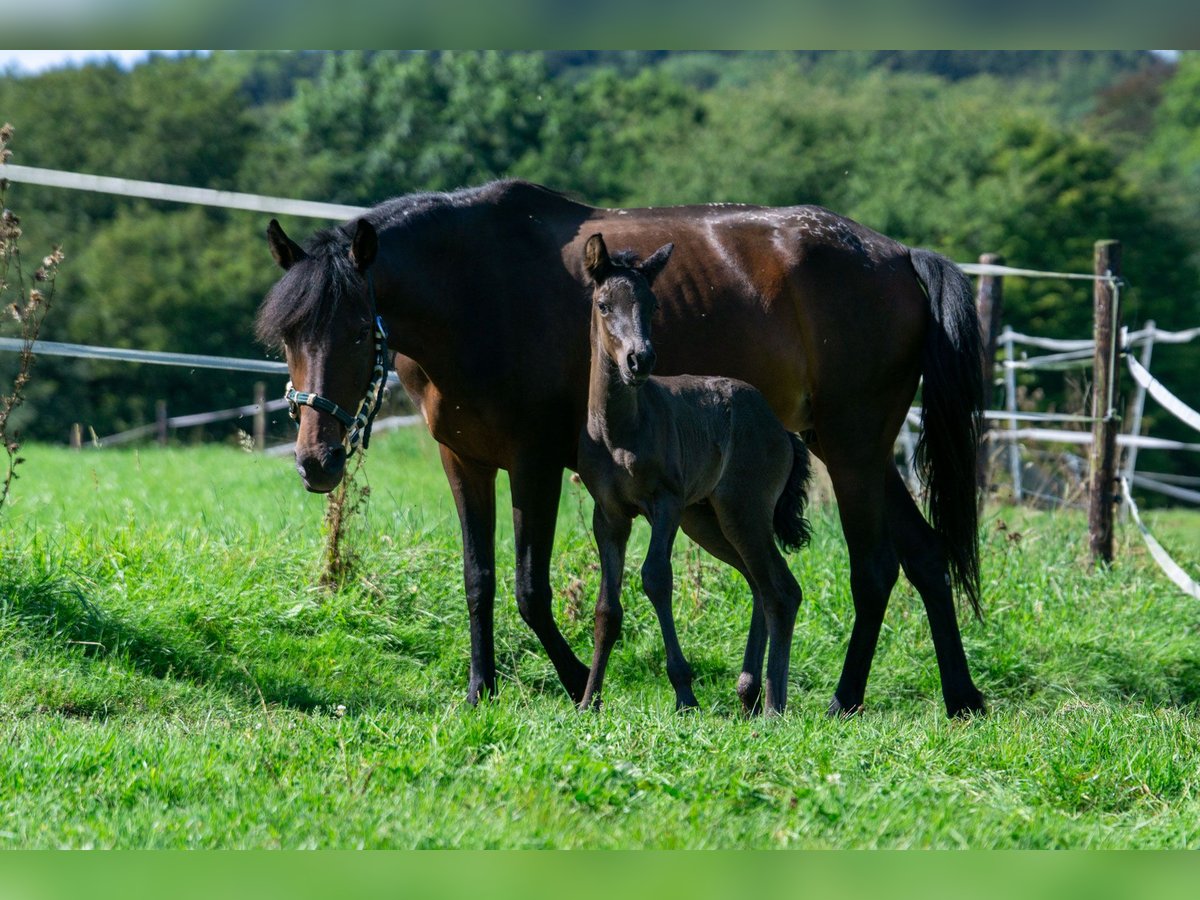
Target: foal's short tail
column 952, row 395
column 791, row 528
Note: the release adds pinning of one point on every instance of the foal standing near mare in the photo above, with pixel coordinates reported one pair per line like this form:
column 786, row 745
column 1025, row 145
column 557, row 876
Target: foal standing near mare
column 704, row 453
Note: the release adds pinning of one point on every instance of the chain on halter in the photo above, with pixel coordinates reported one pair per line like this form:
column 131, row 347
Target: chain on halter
column 358, row 426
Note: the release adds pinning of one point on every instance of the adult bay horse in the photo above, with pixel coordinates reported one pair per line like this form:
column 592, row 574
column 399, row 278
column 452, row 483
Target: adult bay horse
column 487, row 309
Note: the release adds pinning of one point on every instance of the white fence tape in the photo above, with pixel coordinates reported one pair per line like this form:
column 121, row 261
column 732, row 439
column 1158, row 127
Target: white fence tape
column 1053, row 435
column 1169, row 401
column 152, row 190
column 84, row 351
column 1162, row 487
column 1170, row 568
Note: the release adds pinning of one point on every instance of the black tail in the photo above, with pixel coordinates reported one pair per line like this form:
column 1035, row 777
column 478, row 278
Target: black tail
column 952, row 366
column 791, row 528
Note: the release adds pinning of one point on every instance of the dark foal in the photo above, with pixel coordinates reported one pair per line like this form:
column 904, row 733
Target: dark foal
column 704, row 453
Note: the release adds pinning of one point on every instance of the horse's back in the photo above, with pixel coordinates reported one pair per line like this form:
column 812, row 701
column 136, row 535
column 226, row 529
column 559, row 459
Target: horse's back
column 807, row 306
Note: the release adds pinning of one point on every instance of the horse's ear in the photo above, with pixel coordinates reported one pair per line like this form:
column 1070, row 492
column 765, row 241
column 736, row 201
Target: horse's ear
column 655, row 262
column 286, row 251
column 595, row 259
column 364, row 245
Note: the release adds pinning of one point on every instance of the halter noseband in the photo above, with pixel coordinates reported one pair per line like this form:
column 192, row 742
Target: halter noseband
column 358, row 426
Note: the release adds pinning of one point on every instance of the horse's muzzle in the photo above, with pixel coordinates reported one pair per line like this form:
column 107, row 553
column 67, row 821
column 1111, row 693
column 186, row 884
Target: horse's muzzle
column 322, row 471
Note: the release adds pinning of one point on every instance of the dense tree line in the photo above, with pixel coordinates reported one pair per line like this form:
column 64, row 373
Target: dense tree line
column 1032, row 155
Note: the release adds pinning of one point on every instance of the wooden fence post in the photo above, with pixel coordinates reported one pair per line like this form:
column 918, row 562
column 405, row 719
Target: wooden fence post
column 260, row 415
column 990, row 301
column 76, row 436
column 160, row 421
column 1103, row 458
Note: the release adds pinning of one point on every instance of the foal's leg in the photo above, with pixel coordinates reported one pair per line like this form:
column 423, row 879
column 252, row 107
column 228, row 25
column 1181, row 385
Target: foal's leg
column 748, row 527
column 657, row 579
column 925, row 566
column 701, row 525
column 612, row 536
column 535, row 493
column 474, row 489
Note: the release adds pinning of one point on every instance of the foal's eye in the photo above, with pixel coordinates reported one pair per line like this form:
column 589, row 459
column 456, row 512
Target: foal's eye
column 603, row 307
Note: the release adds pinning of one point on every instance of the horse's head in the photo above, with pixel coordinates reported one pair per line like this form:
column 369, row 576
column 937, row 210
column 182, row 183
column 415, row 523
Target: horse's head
column 322, row 313
column 623, row 305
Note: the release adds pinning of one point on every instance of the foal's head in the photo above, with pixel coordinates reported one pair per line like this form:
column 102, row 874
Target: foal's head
column 622, row 306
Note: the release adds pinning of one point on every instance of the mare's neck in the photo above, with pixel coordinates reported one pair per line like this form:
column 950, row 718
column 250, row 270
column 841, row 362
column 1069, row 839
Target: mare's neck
column 612, row 405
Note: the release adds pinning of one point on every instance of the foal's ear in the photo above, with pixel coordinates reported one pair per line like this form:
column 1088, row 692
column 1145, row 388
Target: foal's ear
column 595, row 259
column 286, row 251
column 364, row 245
column 655, row 262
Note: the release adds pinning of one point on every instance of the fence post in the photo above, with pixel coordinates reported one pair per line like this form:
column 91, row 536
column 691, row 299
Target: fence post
column 1102, row 458
column 160, row 421
column 77, row 436
column 1010, row 405
column 260, row 415
column 989, row 300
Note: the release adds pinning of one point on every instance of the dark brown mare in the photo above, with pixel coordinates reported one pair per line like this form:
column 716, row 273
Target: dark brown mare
column 704, row 453
column 487, row 304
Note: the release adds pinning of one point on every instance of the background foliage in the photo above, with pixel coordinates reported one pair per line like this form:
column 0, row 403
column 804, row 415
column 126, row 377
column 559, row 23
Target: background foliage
column 1034, row 155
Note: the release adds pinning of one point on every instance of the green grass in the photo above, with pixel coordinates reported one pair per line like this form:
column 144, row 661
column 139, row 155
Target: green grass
column 172, row 677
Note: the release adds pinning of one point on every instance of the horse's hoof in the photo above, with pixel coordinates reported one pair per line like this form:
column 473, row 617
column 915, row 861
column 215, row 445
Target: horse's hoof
column 838, row 711
column 687, row 705
column 577, row 687
column 973, row 705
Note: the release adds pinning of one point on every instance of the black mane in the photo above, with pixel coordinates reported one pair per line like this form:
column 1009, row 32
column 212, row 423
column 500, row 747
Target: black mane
column 304, row 301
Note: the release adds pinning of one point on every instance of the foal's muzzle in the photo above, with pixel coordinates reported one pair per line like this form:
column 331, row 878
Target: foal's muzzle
column 639, row 365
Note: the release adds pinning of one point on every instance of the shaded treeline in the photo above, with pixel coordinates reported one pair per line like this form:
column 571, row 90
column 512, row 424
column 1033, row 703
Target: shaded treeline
column 1033, row 155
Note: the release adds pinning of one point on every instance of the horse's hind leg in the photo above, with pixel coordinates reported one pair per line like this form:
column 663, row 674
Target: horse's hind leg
column 701, row 525
column 657, row 579
column 925, row 566
column 874, row 569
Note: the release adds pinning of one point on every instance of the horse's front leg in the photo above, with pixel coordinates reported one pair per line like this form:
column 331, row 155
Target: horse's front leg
column 474, row 489
column 612, row 536
column 657, row 581
column 535, row 493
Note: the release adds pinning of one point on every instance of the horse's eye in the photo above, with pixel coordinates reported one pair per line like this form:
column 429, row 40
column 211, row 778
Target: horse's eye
column 603, row 307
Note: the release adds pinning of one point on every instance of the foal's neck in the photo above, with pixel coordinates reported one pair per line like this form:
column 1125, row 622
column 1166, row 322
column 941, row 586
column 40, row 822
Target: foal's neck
column 612, row 405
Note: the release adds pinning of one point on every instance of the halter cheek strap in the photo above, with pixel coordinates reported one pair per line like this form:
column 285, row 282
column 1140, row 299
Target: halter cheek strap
column 358, row 425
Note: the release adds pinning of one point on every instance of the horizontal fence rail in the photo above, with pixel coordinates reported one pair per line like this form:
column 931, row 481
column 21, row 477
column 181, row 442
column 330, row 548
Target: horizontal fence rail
column 153, row 190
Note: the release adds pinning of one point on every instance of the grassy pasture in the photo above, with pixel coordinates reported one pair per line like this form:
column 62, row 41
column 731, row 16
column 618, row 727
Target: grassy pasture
column 170, row 676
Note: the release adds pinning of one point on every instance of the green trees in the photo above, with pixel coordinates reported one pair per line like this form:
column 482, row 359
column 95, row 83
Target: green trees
column 1011, row 153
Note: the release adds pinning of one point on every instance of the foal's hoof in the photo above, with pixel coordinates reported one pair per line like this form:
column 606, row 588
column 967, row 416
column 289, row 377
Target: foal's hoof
column 972, row 705
column 749, row 691
column 838, row 711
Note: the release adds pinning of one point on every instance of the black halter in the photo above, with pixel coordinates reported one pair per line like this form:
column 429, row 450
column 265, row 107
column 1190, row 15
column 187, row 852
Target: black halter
column 358, row 426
